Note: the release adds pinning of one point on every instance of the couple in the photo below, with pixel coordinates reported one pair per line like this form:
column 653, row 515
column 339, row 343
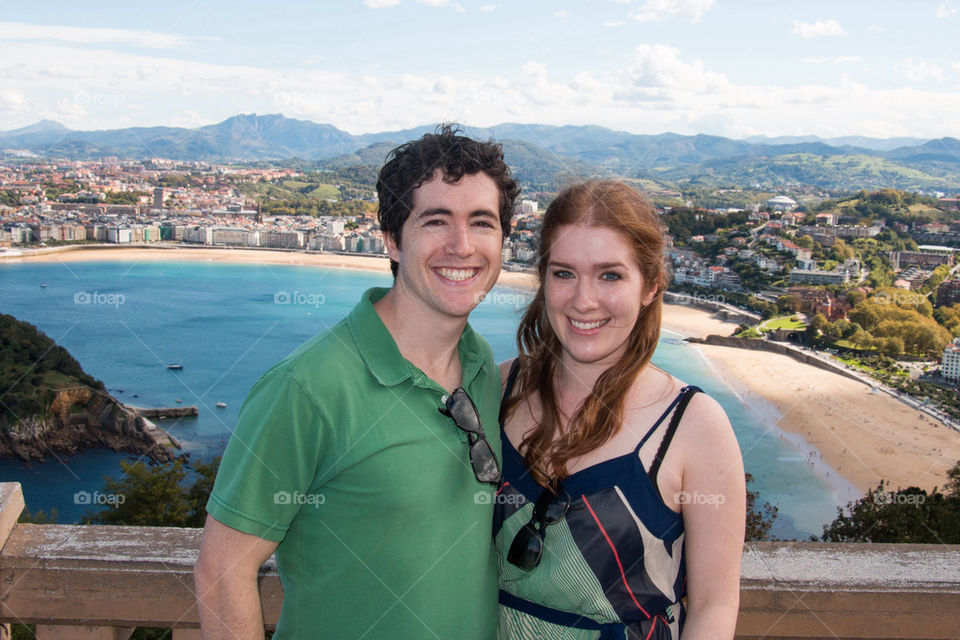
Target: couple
column 371, row 461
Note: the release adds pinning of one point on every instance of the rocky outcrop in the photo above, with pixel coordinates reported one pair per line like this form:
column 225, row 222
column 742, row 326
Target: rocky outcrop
column 79, row 418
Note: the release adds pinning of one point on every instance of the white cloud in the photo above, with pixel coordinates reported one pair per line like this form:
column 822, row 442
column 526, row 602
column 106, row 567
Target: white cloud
column 945, row 10
column 652, row 89
column 658, row 66
column 918, row 70
column 487, row 8
column 614, row 23
column 818, row 29
column 563, row 13
column 836, row 60
column 380, row 4
column 653, row 10
column 86, row 35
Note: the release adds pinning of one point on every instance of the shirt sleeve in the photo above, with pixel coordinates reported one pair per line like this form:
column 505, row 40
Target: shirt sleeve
column 271, row 460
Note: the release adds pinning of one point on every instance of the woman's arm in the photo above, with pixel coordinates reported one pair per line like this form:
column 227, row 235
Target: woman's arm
column 713, row 506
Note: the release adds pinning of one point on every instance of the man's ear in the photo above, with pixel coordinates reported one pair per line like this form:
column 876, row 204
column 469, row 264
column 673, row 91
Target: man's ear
column 393, row 248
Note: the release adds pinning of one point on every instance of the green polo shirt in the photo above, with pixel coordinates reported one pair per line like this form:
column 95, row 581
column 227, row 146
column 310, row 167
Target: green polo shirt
column 341, row 456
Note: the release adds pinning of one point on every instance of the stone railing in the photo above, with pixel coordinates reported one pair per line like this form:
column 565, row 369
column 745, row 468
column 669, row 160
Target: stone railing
column 91, row 582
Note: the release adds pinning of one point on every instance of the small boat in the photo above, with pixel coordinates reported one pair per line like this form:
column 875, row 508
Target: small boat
column 43, row 285
column 221, row 405
column 179, row 401
column 175, row 365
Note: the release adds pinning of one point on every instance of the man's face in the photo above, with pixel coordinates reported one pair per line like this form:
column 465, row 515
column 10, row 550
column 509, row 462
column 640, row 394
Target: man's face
column 451, row 246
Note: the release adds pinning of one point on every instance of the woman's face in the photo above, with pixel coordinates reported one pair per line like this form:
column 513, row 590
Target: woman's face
column 594, row 292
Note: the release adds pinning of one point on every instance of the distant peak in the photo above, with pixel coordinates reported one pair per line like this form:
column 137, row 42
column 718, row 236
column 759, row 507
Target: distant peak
column 44, row 126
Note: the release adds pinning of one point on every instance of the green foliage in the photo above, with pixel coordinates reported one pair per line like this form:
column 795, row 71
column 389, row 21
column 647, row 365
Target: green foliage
column 125, row 197
column 31, row 365
column 939, row 275
column 684, row 223
column 39, row 516
column 949, row 317
column 154, row 496
column 9, row 198
column 895, row 313
column 910, row 515
column 760, row 517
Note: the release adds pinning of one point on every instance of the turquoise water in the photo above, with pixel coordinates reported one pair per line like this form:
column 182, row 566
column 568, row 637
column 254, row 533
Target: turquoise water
column 227, row 323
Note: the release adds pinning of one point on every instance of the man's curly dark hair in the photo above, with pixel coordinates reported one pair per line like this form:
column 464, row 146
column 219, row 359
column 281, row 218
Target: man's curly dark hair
column 455, row 155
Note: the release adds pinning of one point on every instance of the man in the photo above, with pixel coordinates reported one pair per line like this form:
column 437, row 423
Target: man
column 358, row 458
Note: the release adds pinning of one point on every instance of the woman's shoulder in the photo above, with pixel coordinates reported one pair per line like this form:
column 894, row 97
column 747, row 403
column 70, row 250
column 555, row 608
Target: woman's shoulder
column 702, row 408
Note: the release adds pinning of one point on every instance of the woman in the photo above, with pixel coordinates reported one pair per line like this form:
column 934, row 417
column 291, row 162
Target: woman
column 623, row 492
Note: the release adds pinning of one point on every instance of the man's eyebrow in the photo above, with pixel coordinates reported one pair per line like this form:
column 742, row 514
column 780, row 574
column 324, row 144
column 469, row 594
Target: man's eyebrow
column 443, row 211
column 435, row 211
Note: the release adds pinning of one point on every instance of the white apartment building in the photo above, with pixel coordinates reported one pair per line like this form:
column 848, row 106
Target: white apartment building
column 950, row 367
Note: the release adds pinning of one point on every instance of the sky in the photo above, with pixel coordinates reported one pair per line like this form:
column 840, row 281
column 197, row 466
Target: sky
column 735, row 68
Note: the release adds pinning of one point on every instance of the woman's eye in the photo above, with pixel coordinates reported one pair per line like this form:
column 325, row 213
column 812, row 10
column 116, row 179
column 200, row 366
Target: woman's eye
column 562, row 274
column 611, row 276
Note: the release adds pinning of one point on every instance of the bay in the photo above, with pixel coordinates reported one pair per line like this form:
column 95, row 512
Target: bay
column 228, row 323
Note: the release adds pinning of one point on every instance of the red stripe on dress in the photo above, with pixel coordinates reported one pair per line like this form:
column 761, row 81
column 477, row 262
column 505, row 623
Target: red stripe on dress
column 652, row 627
column 505, row 485
column 616, row 556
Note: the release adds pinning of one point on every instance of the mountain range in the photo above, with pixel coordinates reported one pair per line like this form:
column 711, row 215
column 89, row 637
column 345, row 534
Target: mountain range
column 542, row 155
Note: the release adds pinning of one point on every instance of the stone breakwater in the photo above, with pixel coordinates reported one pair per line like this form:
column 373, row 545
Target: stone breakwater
column 80, row 418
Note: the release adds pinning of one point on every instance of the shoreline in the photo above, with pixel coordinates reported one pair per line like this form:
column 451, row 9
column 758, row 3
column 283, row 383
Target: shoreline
column 851, row 437
column 161, row 252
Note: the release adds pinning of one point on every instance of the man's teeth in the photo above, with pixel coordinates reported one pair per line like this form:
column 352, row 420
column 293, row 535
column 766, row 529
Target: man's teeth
column 584, row 326
column 457, row 274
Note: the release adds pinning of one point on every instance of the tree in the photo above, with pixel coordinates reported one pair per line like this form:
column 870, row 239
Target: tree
column 910, row 515
column 760, row 518
column 154, row 496
column 819, row 322
column 788, row 303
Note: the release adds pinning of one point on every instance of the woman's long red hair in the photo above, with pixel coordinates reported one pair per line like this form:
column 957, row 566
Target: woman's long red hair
column 547, row 449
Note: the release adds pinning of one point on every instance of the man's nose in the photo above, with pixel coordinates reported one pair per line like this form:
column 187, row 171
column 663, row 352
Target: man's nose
column 461, row 241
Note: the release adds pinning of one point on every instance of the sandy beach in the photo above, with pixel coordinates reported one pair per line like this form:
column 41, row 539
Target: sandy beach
column 245, row 256
column 860, row 435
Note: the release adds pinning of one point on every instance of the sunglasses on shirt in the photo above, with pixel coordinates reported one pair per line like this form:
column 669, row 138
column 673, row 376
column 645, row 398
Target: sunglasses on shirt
column 460, row 407
column 527, row 547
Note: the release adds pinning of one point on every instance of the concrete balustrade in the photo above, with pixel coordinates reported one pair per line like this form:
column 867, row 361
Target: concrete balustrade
column 100, row 582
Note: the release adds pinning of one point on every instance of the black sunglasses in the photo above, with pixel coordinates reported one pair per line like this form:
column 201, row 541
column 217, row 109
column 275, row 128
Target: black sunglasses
column 460, row 407
column 527, row 547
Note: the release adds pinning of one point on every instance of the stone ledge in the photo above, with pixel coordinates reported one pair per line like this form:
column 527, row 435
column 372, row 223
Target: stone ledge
column 123, row 577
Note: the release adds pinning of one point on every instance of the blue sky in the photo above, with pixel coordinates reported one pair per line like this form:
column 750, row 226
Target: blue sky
column 879, row 68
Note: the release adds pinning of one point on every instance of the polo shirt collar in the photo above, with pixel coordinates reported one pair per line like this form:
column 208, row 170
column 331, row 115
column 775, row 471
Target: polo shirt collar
column 382, row 355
